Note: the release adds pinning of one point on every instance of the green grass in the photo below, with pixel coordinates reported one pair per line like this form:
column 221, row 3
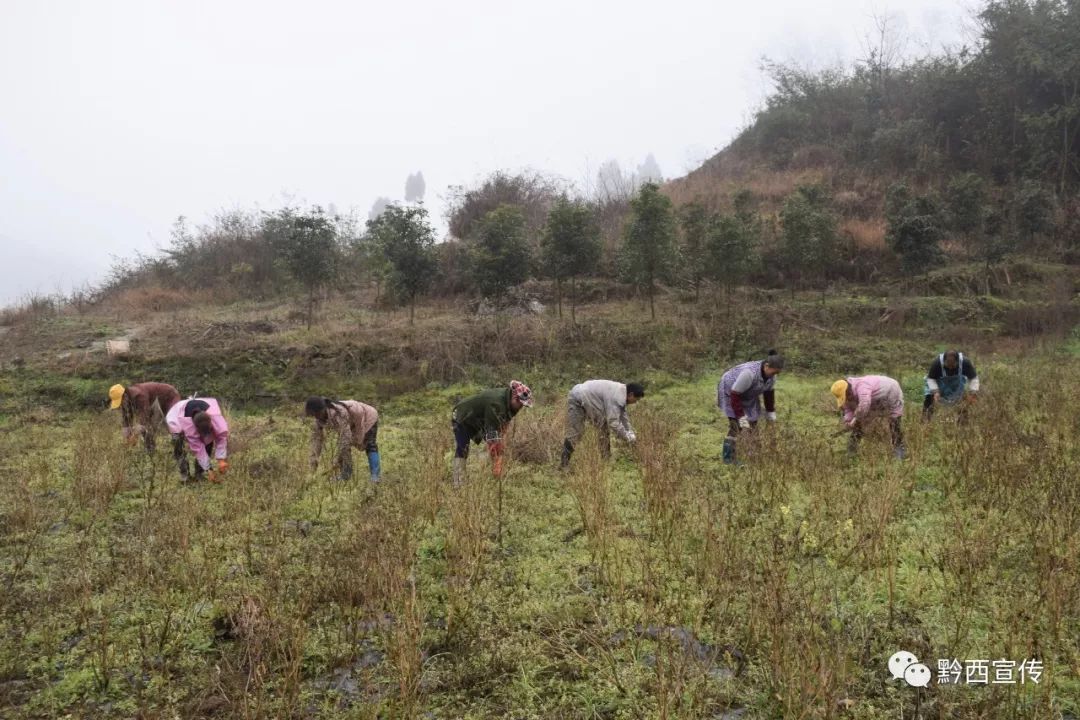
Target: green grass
column 591, row 594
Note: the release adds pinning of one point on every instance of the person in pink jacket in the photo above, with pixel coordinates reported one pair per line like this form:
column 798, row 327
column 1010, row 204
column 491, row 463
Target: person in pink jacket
column 199, row 422
column 862, row 398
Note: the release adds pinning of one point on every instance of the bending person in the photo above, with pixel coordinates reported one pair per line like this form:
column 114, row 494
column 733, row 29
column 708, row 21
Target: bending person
column 142, row 409
column 484, row 417
column 356, row 425
column 198, row 422
column 603, row 403
column 951, row 378
column 740, row 392
column 863, row 398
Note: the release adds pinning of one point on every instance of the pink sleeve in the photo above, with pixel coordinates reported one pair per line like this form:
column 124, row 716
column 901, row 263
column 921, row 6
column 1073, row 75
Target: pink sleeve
column 865, row 393
column 221, row 437
column 197, row 446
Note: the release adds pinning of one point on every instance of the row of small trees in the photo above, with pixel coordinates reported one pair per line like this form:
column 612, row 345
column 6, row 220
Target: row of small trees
column 720, row 248
column 918, row 222
column 399, row 245
column 691, row 246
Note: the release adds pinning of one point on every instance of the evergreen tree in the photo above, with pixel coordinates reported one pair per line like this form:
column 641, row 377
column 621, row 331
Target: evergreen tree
column 648, row 254
column 570, row 247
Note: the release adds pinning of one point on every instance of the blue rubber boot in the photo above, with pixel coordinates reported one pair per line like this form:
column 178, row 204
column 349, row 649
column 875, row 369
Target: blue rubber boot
column 729, row 450
column 373, row 465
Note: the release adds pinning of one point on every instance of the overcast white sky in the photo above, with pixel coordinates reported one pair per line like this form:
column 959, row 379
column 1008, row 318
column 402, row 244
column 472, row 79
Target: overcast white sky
column 116, row 116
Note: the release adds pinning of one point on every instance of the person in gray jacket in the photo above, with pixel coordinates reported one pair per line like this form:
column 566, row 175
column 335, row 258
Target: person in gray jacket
column 603, row 403
column 740, row 392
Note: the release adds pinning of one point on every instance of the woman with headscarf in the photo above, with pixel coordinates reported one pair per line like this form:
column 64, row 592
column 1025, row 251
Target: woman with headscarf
column 484, row 417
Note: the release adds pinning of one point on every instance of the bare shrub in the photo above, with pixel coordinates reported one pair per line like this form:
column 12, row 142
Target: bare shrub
column 144, row 300
column 30, row 309
column 1050, row 320
column 100, row 465
column 536, row 438
column 866, row 234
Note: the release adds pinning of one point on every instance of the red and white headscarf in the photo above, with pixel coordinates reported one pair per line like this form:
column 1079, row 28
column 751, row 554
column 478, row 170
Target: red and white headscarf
column 522, row 392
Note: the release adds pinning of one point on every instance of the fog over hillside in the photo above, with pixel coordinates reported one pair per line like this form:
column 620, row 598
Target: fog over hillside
column 121, row 115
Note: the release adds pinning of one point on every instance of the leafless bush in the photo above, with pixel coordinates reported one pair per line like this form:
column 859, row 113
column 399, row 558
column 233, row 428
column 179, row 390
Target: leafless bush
column 141, row 301
column 1050, row 320
column 530, row 190
column 536, row 438
column 32, row 308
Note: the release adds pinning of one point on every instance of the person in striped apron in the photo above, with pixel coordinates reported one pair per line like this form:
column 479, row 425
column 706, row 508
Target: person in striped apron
column 951, row 379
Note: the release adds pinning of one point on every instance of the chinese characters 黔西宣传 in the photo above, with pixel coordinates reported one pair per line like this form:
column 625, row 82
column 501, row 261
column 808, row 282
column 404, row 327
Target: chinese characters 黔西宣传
column 989, row 672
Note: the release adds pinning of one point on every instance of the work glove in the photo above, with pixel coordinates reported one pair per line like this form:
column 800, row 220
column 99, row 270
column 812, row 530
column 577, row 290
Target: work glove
column 631, row 437
column 771, row 416
column 222, row 466
column 495, row 448
column 744, row 422
column 497, row 466
column 213, row 476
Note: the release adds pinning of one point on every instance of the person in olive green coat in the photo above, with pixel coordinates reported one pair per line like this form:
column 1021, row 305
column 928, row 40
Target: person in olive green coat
column 485, row 417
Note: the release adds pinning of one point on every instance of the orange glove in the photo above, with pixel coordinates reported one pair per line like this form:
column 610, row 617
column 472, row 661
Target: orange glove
column 213, row 476
column 495, row 449
column 497, row 466
column 222, row 466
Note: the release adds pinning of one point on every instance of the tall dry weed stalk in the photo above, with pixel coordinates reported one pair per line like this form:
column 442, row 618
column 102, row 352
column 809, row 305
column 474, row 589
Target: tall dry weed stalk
column 589, row 482
column 471, row 510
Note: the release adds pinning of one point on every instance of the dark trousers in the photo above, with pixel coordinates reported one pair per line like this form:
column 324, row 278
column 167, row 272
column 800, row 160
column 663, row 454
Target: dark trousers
column 461, row 441
column 371, row 439
column 180, row 456
column 370, row 443
column 895, row 433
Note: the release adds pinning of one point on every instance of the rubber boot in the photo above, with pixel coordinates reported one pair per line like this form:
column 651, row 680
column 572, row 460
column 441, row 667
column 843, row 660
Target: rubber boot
column 567, row 451
column 373, row 465
column 459, row 471
column 729, row 450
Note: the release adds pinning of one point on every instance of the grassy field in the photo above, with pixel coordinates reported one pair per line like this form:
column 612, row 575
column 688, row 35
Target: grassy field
column 660, row 584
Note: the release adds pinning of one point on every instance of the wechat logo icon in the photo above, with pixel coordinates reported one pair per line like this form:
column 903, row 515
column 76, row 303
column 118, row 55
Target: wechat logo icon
column 905, row 666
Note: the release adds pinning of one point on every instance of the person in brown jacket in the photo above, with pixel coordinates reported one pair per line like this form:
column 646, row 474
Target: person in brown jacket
column 356, row 425
column 142, row 409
